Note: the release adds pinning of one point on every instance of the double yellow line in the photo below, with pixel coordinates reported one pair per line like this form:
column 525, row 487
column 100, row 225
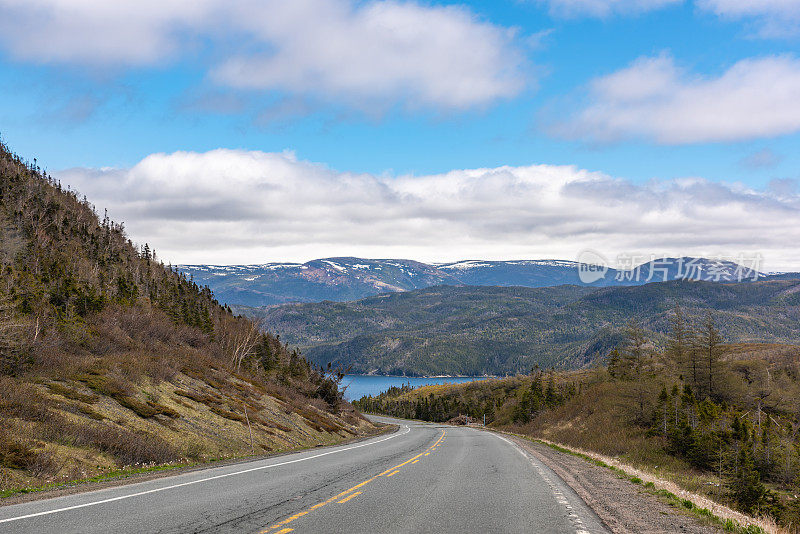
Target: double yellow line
column 348, row 494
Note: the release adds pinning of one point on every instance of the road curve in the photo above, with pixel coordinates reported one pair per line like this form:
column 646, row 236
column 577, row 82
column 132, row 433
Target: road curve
column 422, row 478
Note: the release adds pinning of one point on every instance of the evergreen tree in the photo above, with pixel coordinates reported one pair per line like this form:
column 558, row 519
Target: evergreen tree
column 614, row 363
column 537, row 397
column 745, row 486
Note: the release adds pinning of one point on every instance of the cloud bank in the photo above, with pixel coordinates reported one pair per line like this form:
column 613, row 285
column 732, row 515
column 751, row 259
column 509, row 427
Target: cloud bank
column 772, row 18
column 657, row 100
column 360, row 53
column 231, row 206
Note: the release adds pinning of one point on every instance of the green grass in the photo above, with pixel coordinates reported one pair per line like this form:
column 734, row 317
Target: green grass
column 119, row 473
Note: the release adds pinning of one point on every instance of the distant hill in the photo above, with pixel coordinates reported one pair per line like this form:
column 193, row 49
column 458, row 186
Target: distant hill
column 344, row 279
column 338, row 279
column 109, row 359
column 497, row 330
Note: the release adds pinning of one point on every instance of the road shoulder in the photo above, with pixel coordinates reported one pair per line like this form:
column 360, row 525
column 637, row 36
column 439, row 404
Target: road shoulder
column 624, row 507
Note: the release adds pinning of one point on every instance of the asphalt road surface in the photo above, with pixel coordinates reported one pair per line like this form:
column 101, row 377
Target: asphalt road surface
column 422, row 478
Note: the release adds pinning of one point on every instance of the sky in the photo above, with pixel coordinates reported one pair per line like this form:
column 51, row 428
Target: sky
column 253, row 131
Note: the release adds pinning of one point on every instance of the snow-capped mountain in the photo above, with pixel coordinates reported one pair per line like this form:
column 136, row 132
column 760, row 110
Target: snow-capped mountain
column 343, row 279
column 338, row 279
column 528, row 273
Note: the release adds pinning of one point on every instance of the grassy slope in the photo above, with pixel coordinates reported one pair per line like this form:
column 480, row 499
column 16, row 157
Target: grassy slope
column 497, row 330
column 109, row 360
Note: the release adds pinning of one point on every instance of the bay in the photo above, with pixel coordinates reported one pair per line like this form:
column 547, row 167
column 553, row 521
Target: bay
column 361, row 385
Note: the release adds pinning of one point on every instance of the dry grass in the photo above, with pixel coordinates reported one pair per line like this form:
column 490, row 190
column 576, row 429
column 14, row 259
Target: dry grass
column 701, row 501
column 129, row 448
column 70, row 393
column 85, row 427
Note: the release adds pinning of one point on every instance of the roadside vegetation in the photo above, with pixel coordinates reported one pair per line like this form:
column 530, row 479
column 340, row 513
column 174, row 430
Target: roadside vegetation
column 112, row 362
column 720, row 420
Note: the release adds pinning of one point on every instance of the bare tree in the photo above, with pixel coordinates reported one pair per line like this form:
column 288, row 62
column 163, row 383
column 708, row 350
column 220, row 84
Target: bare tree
column 12, row 333
column 709, row 350
column 679, row 343
column 239, row 340
column 637, row 358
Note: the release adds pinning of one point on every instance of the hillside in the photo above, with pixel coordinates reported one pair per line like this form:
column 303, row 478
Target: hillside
column 729, row 433
column 496, row 330
column 343, row 279
column 110, row 361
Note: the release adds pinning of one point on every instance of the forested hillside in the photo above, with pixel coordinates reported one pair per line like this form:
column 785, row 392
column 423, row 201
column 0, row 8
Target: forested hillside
column 718, row 419
column 109, row 359
column 497, row 330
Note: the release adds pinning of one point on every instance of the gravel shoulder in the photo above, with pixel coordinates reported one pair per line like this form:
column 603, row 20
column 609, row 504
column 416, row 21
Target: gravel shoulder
column 624, row 507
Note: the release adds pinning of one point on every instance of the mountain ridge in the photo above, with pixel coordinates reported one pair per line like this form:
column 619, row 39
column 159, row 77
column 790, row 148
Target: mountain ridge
column 343, row 279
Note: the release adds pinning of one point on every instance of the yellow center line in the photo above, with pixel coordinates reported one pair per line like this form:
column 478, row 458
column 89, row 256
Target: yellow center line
column 284, row 530
column 392, row 473
column 415, row 461
column 349, row 497
column 340, row 496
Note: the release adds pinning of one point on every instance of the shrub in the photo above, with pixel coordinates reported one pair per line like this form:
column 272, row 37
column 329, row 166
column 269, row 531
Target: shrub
column 14, row 455
column 125, row 446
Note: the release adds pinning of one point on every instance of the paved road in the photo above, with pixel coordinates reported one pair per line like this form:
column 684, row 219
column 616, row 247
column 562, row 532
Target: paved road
column 422, row 478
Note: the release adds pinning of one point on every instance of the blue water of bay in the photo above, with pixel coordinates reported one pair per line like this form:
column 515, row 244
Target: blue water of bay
column 361, row 385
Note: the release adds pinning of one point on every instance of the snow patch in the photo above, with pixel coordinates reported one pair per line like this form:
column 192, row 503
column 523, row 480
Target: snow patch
column 335, row 266
column 464, row 265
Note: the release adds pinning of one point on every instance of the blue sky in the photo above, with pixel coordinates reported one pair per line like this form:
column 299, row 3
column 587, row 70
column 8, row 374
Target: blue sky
column 392, row 89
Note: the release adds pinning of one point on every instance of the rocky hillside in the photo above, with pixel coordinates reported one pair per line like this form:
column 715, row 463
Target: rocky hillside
column 109, row 359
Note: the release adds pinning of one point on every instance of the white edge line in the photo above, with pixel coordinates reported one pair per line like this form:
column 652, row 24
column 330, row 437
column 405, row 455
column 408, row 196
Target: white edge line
column 532, row 459
column 516, row 447
column 165, row 488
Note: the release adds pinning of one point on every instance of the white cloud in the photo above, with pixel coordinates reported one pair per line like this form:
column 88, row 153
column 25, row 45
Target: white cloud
column 771, row 18
column 98, row 32
column 655, row 99
column 436, row 55
column 604, row 8
column 363, row 53
column 774, row 18
column 230, row 206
